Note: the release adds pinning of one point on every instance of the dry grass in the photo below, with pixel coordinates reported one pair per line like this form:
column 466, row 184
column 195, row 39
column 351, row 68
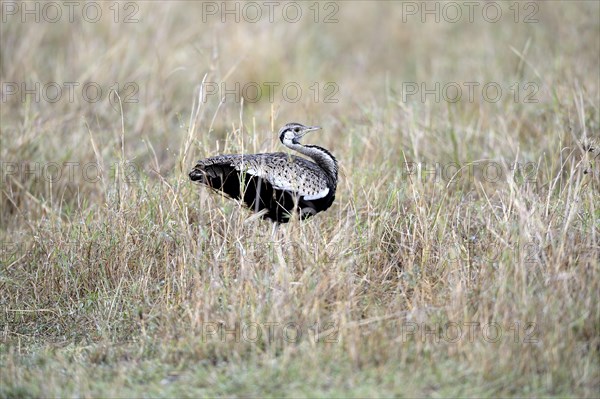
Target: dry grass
column 419, row 281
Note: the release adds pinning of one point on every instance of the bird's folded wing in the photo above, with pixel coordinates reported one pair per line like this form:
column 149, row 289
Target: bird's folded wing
column 284, row 174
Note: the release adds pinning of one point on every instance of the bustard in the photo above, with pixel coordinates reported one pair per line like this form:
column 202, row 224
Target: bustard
column 276, row 184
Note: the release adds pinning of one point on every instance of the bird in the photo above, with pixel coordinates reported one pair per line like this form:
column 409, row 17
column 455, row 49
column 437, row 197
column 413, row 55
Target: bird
column 277, row 185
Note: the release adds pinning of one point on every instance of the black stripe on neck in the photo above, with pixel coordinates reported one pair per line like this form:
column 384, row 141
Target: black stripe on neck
column 322, row 149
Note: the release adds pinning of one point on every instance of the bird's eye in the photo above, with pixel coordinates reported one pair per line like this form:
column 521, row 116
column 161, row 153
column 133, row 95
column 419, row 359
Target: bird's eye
column 297, row 130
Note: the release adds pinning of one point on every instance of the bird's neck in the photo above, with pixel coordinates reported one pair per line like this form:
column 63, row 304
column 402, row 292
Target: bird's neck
column 321, row 156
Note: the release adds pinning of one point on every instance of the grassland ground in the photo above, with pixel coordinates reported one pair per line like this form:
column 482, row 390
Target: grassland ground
column 460, row 257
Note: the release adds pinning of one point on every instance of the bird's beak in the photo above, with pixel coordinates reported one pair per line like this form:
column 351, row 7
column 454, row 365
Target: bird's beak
column 310, row 129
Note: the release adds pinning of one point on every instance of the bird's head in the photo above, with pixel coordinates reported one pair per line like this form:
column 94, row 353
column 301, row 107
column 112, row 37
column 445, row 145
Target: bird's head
column 292, row 132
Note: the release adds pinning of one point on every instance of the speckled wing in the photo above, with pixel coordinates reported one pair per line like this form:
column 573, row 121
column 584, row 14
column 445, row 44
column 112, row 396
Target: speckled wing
column 282, row 171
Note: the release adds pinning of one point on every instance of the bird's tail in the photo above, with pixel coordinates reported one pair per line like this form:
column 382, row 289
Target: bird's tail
column 197, row 174
column 218, row 176
column 204, row 172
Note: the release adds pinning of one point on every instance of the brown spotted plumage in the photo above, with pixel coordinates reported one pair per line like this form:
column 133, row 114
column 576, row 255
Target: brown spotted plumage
column 277, row 184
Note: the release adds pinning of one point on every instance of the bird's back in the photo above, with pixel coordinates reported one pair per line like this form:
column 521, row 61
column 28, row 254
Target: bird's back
column 283, row 171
